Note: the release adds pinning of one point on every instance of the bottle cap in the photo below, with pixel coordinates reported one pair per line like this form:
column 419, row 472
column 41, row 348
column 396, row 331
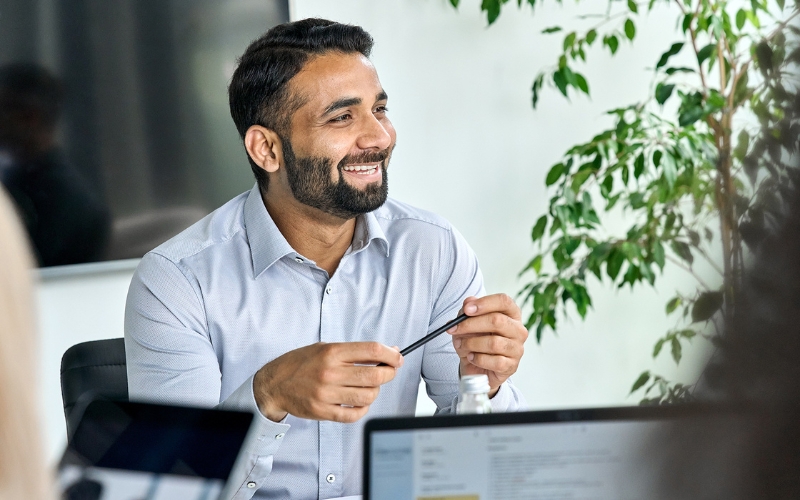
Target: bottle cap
column 474, row 384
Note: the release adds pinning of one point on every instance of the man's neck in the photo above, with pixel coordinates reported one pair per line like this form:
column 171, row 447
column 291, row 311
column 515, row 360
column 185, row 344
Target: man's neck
column 318, row 236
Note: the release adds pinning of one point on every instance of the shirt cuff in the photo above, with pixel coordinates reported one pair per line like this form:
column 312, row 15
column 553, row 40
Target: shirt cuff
column 507, row 399
column 265, row 439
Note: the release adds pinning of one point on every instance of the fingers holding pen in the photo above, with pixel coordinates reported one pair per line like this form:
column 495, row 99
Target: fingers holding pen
column 492, row 339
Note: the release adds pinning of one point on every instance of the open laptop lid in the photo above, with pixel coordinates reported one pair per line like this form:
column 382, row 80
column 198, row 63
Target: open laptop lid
column 125, row 450
column 604, row 453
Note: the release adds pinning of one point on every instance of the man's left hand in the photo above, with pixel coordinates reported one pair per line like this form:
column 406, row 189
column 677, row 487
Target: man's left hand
column 492, row 340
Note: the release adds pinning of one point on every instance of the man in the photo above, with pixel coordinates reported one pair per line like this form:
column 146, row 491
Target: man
column 277, row 300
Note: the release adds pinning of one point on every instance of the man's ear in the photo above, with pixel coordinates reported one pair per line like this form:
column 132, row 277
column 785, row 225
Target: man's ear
column 264, row 147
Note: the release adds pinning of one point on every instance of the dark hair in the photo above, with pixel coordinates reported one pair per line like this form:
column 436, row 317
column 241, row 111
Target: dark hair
column 258, row 93
column 28, row 86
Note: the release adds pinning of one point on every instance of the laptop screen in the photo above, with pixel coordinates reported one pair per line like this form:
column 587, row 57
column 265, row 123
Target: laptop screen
column 583, row 454
column 125, row 450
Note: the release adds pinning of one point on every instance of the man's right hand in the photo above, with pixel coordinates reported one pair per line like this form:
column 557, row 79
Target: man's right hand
column 323, row 382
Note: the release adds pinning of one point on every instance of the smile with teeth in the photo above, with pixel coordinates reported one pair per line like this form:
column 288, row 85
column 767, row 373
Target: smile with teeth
column 361, row 169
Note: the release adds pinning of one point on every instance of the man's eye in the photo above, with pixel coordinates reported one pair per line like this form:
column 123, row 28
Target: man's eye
column 381, row 109
column 341, row 118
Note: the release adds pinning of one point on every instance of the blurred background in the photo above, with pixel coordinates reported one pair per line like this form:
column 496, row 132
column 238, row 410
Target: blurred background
column 127, row 103
column 144, row 128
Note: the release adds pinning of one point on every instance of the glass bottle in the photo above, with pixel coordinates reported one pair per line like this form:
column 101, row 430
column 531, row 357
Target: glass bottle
column 473, row 395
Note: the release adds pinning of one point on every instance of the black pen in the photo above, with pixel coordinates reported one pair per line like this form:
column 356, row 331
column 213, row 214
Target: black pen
column 427, row 338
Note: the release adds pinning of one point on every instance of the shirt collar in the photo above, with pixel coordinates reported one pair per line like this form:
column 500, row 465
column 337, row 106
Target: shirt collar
column 368, row 229
column 268, row 245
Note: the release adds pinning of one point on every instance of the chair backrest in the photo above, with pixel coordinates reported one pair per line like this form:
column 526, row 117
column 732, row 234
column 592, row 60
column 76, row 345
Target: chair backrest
column 96, row 369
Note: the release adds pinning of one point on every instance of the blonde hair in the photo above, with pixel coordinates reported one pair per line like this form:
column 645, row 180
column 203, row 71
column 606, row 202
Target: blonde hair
column 23, row 473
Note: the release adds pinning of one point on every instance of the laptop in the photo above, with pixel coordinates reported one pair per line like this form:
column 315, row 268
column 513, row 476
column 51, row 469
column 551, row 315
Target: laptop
column 124, row 450
column 603, row 453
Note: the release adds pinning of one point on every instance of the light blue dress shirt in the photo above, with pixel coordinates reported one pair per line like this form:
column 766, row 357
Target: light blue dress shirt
column 211, row 306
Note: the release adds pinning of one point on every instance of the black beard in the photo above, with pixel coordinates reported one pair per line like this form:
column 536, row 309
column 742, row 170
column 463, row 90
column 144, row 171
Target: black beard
column 311, row 184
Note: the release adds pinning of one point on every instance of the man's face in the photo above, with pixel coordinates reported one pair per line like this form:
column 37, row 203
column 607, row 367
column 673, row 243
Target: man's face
column 341, row 140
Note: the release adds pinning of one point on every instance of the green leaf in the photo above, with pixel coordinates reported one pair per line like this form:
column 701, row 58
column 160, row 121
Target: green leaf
column 706, row 305
column 673, row 304
column 633, row 7
column 569, row 40
column 670, row 170
column 764, row 57
column 551, row 29
column 741, row 17
column 560, row 80
column 657, row 154
column 536, row 264
column 753, row 18
column 536, row 88
column 643, row 379
column 672, row 71
column 705, row 53
column 742, row 144
column 658, row 346
column 492, row 8
column 591, row 36
column 674, row 49
column 683, row 251
column 676, row 350
column 607, row 185
column 687, row 22
column 659, row 255
column 614, row 263
column 663, row 92
column 690, row 115
column 638, row 165
column 612, row 42
column 716, row 101
column 630, row 29
column 454, row 3
column 694, row 236
column 579, row 179
column 582, row 83
column 555, row 174
column 538, row 229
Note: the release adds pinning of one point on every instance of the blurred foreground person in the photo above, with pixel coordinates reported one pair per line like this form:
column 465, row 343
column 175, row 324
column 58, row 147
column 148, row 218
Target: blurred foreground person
column 23, row 474
column 757, row 366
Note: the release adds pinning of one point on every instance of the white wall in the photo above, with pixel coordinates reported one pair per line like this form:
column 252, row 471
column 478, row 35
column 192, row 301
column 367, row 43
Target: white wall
column 75, row 307
column 471, row 149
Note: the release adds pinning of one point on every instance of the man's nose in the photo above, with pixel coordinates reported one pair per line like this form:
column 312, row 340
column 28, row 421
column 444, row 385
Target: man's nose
column 374, row 135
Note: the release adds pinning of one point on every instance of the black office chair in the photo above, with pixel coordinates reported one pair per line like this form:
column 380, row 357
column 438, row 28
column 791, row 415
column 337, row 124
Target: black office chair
column 92, row 370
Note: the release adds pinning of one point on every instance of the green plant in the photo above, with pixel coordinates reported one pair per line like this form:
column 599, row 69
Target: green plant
column 701, row 169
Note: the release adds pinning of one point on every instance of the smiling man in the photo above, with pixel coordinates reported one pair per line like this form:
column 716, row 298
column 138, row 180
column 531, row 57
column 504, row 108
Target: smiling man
column 276, row 301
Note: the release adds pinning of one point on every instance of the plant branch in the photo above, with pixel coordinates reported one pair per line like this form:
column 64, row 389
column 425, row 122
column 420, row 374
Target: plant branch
column 688, row 270
column 709, row 260
column 693, row 36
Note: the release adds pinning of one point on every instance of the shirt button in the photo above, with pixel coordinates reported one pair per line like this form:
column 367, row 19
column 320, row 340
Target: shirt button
column 330, row 478
column 299, row 260
column 280, row 436
column 251, row 484
column 328, row 290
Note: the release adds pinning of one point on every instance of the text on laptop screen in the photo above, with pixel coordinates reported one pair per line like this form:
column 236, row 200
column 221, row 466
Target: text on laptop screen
column 575, row 460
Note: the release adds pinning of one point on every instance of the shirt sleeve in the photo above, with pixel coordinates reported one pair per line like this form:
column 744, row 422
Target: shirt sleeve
column 170, row 360
column 462, row 278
